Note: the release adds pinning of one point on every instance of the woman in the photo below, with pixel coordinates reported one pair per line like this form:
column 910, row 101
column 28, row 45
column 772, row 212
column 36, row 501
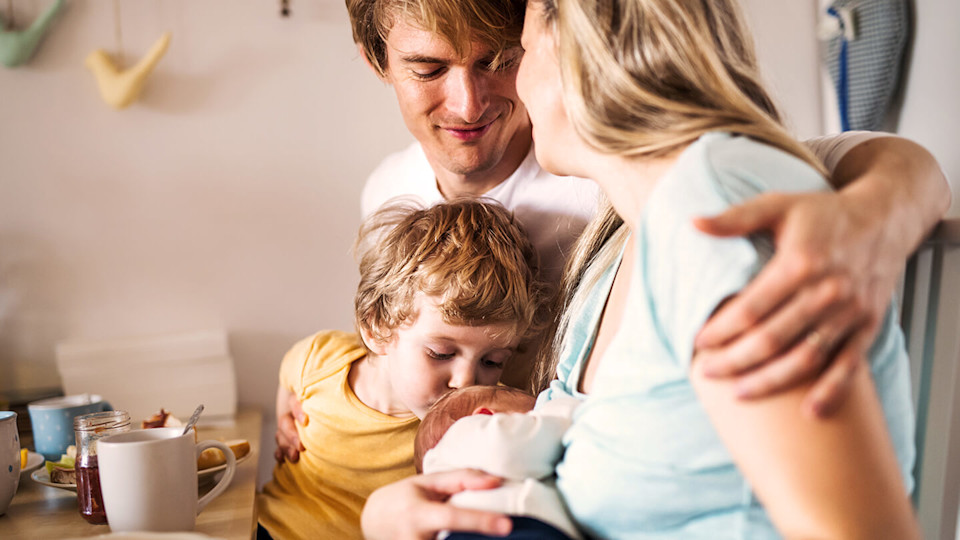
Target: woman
column 659, row 102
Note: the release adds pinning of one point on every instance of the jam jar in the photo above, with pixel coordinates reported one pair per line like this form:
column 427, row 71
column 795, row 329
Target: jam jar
column 89, row 428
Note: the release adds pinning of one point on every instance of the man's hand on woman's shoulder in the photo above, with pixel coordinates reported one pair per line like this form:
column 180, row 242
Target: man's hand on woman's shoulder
column 814, row 309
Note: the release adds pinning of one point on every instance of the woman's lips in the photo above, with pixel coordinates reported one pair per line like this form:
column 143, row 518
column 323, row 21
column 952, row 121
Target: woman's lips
column 468, row 135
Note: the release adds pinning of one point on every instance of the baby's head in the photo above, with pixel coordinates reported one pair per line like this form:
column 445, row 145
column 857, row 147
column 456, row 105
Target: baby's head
column 466, row 402
column 446, row 295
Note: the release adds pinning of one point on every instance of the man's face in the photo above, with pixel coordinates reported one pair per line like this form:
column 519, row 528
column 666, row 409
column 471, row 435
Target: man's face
column 464, row 114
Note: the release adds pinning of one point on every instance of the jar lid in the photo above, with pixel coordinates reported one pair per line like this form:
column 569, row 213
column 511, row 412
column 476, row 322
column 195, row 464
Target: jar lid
column 101, row 421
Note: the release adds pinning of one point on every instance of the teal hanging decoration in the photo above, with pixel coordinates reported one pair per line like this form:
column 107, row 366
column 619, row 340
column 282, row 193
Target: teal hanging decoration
column 16, row 48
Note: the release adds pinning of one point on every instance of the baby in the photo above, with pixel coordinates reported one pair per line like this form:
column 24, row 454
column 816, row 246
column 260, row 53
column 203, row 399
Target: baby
column 494, row 429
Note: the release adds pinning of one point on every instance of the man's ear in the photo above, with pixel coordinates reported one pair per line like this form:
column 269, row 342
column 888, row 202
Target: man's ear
column 366, row 60
column 376, row 346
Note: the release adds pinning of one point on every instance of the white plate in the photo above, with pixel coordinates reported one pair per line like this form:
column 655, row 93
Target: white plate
column 42, row 477
column 34, row 460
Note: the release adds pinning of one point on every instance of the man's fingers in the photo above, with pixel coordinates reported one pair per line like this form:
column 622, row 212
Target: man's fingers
column 287, row 434
column 779, row 332
column 800, row 364
column 773, row 286
column 761, row 212
column 296, row 410
column 832, row 388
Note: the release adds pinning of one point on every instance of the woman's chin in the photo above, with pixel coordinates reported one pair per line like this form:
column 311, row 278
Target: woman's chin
column 548, row 163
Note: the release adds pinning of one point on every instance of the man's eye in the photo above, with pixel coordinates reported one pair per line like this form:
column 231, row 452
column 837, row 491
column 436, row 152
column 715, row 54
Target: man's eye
column 427, row 76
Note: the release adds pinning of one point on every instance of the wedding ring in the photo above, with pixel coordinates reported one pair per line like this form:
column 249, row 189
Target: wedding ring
column 815, row 339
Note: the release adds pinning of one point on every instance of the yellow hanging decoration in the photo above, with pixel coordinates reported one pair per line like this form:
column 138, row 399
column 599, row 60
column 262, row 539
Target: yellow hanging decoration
column 120, row 88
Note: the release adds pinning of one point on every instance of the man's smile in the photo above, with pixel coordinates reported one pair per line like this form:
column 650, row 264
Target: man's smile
column 468, row 134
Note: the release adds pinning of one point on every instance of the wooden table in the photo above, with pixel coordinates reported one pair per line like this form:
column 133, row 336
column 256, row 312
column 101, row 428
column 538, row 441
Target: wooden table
column 38, row 512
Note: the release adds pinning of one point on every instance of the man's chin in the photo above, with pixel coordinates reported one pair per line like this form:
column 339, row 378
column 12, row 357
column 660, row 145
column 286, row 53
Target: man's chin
column 469, row 167
column 467, row 159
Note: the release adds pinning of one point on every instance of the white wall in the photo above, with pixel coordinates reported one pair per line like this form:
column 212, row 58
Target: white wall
column 228, row 197
column 787, row 52
column 930, row 112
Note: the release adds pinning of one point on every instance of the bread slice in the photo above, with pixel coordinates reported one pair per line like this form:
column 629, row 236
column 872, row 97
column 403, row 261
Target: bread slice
column 212, row 457
column 63, row 475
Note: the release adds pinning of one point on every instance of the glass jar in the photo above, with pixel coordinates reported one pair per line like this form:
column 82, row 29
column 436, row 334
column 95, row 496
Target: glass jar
column 89, row 428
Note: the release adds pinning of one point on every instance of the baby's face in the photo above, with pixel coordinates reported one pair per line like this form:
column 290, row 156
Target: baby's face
column 502, row 400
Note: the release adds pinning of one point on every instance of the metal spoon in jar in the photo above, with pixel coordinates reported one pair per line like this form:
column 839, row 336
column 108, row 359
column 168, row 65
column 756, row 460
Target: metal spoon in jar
column 193, row 418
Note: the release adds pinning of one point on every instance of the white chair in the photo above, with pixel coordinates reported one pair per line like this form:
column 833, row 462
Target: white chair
column 930, row 316
column 140, row 375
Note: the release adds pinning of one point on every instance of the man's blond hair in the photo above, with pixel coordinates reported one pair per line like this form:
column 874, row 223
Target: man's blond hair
column 469, row 255
column 496, row 24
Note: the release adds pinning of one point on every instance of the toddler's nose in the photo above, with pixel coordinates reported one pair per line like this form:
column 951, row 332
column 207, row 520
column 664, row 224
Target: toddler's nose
column 462, row 378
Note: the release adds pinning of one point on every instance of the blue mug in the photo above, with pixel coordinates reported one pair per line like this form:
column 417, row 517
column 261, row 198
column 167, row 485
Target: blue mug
column 52, row 421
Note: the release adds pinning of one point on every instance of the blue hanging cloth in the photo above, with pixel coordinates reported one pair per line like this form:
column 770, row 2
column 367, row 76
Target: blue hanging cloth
column 865, row 42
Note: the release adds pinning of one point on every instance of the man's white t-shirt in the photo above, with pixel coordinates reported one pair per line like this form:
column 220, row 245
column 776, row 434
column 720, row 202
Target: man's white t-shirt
column 552, row 209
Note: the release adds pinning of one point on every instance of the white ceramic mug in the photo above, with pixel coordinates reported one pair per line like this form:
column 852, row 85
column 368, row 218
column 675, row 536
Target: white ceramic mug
column 148, row 479
column 9, row 458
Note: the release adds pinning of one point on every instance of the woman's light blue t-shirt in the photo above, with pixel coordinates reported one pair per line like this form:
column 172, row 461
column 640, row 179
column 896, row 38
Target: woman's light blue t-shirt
column 642, row 459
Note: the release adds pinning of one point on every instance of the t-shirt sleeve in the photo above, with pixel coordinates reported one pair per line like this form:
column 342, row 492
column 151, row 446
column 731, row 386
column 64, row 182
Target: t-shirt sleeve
column 690, row 273
column 294, row 364
column 830, row 149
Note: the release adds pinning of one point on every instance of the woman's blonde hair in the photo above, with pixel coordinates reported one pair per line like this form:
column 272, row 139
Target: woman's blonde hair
column 496, row 24
column 644, row 78
column 468, row 254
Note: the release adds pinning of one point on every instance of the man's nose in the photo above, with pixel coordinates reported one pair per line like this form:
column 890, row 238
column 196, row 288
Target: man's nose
column 466, row 95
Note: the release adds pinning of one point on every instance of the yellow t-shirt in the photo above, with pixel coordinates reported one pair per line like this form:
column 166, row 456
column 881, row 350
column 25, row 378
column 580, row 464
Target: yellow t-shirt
column 351, row 448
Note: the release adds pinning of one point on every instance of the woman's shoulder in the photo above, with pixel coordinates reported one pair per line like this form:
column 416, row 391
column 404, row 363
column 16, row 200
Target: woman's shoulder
column 740, row 161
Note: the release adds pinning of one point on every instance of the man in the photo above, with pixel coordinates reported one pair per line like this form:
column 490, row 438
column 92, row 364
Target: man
column 452, row 65
column 457, row 95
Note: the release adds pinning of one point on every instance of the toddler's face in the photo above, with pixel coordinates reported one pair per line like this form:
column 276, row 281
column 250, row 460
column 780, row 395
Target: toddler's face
column 428, row 358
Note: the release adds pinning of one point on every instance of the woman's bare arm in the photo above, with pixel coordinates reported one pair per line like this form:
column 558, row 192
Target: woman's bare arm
column 818, row 478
